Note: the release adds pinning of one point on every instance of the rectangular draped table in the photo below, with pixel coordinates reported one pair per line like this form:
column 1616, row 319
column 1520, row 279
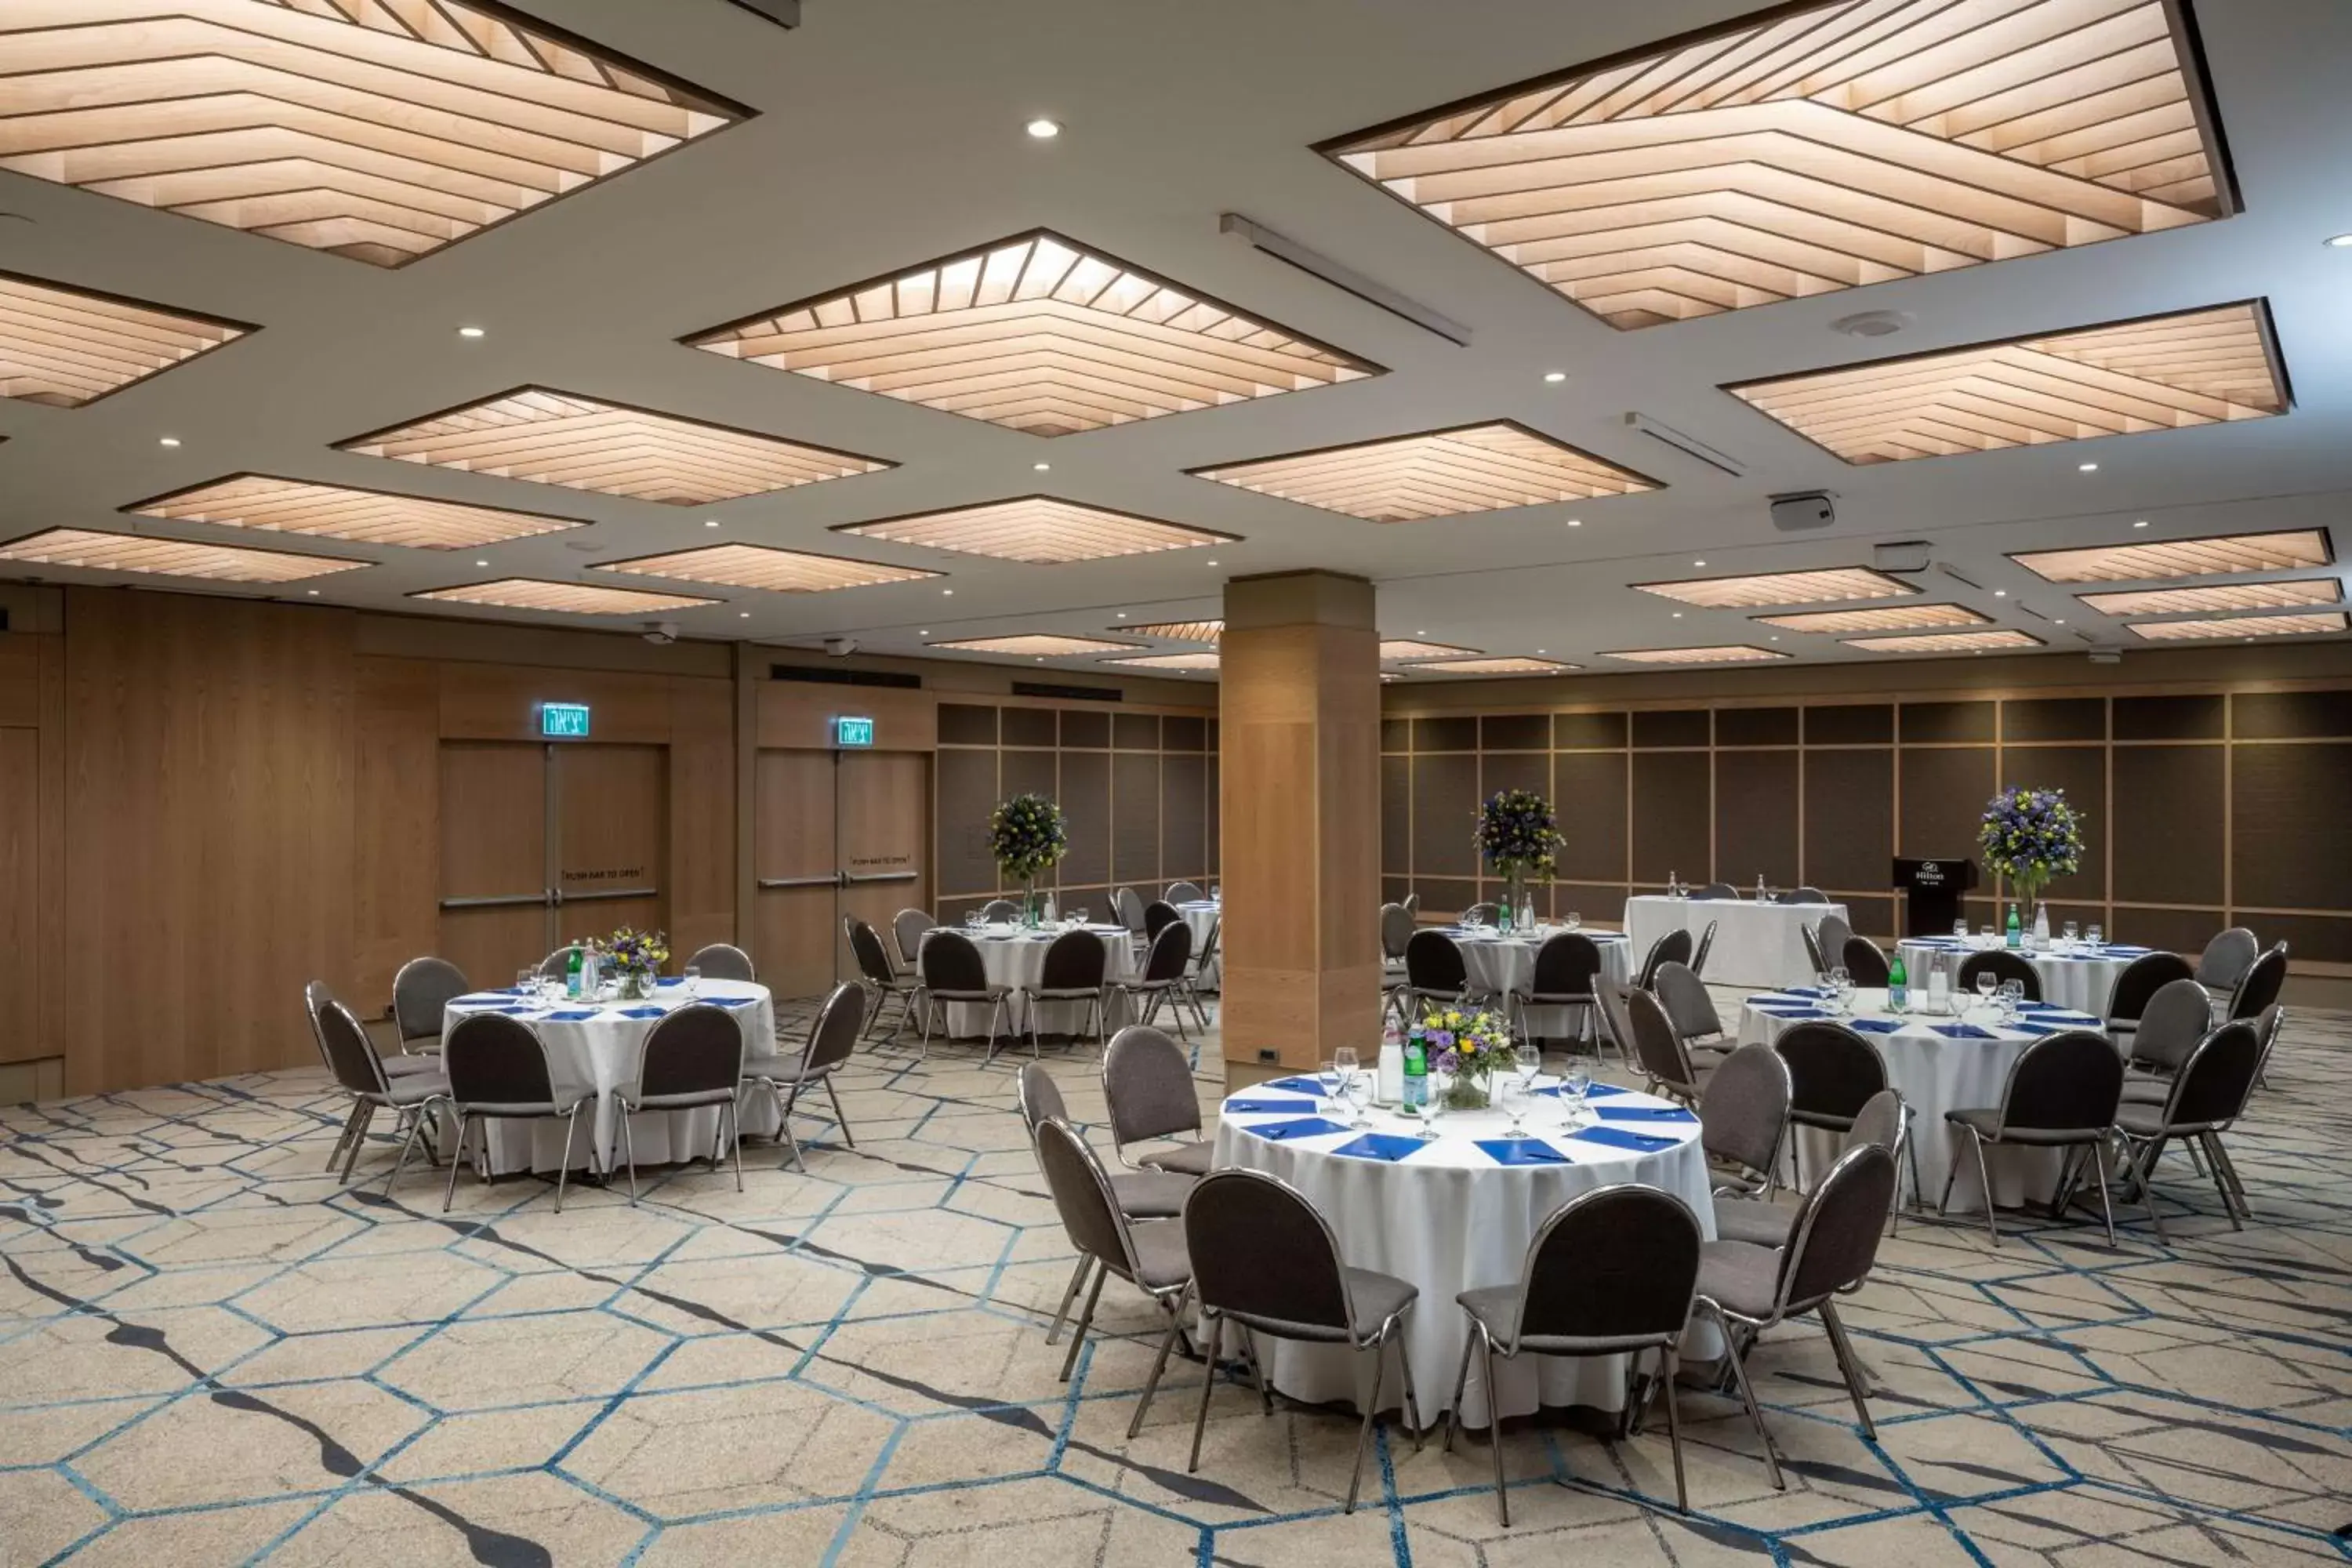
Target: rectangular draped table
column 1755, row 944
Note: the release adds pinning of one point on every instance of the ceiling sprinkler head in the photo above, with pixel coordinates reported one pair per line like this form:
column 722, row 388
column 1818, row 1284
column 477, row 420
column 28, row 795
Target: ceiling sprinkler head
column 1872, row 323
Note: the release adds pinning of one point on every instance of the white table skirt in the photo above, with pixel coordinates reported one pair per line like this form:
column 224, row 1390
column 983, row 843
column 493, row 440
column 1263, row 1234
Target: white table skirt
column 604, row 1050
column 2081, row 978
column 1934, row 1074
column 1447, row 1218
column 1202, row 918
column 1755, row 944
column 1016, row 957
column 1501, row 963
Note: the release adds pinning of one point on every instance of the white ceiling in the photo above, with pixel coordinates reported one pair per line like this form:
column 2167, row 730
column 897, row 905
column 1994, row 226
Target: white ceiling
column 890, row 132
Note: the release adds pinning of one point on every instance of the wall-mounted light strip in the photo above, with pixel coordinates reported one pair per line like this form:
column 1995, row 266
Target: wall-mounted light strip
column 66, row 347
column 94, row 550
column 264, row 502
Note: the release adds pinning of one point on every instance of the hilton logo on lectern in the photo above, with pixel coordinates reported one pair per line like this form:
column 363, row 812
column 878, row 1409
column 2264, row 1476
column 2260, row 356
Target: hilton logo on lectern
column 1928, row 875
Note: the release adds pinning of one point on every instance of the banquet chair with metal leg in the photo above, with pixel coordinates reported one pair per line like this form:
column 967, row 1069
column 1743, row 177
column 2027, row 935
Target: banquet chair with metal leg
column 2003, row 967
column 1719, row 892
column 1705, row 946
column 1412, row 902
column 1612, row 1271
column 721, row 961
column 831, row 1040
column 692, row 1057
column 1813, row 959
column 1567, row 974
column 1482, row 914
column 1865, row 965
column 1073, row 971
column 1163, row 974
column 557, row 965
column 420, row 992
column 2209, row 1094
column 2260, row 987
column 1833, row 1242
column 1187, row 990
column 1673, row 947
column 2222, row 966
column 1833, row 1073
column 1184, row 893
column 315, row 996
column 1140, row 1195
column 498, row 1072
column 1743, row 1118
column 953, row 972
column 2061, row 1093
column 2142, row 978
column 1617, row 1025
column 1127, row 910
column 880, row 981
column 1883, row 1121
column 1831, row 934
column 1158, row 916
column 1686, row 999
column 2175, row 1020
column 1433, row 972
column 359, row 1070
column 999, row 911
column 1803, row 896
column 1658, row 1051
column 1147, row 1254
column 1148, row 1092
column 1265, row 1260
column 907, row 929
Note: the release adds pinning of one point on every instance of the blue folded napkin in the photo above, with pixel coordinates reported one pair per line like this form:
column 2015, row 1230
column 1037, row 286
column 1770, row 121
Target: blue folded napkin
column 1595, row 1091
column 730, row 1001
column 1523, row 1152
column 643, row 1012
column 510, row 1009
column 1963, row 1032
column 2112, row 950
column 1813, row 990
column 1798, row 1011
column 562, row 1015
column 2039, row 1029
column 1305, row 1126
column 671, row 980
column 1380, row 1146
column 1643, row 1113
column 1294, row 1085
column 2061, row 1015
column 1261, row 1106
column 1875, row 1026
column 1618, row 1138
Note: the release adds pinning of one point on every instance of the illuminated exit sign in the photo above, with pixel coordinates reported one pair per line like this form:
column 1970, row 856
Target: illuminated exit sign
column 853, row 731
column 563, row 721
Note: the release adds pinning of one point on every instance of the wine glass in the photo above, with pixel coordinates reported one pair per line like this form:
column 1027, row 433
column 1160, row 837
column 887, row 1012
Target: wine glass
column 2096, row 936
column 526, row 981
column 1331, row 1078
column 1575, row 922
column 1986, row 983
column 1528, row 1057
column 1576, row 1083
column 1514, row 1095
column 2012, row 1000
column 693, row 980
column 971, row 921
column 2068, row 932
column 1960, row 931
column 1359, row 1092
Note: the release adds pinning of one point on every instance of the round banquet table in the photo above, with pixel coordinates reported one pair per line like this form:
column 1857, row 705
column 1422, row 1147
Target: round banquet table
column 1755, row 944
column 2078, row 976
column 1015, row 956
column 1500, row 964
column 1937, row 1063
column 597, row 1045
column 1449, row 1216
column 1202, row 915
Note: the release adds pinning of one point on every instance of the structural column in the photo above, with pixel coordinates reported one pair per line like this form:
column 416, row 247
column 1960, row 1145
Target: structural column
column 1299, row 691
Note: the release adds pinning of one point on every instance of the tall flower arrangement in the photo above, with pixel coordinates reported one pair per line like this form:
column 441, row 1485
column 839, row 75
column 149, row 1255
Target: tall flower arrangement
column 2030, row 836
column 1518, row 836
column 1027, row 836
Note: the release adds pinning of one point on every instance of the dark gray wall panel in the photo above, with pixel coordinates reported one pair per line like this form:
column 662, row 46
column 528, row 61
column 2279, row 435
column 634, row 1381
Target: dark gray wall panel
column 1756, row 815
column 1182, row 820
column 962, row 724
column 1396, row 735
column 2197, row 718
column 1085, row 806
column 1134, row 818
column 1756, row 726
column 2310, row 939
column 1848, row 819
column 2175, row 930
column 2290, row 828
column 1849, row 724
column 2082, row 773
column 1445, row 894
column 1444, row 801
column 1135, row 732
column 1584, row 732
column 1179, row 733
column 1085, row 726
column 1672, row 727
column 967, row 793
column 1589, row 798
column 1515, row 732
column 1029, row 726
column 1947, row 722
column 1396, row 816
column 2054, row 718
column 1515, row 770
column 1445, row 734
column 1944, row 794
column 1671, row 816
column 2168, row 824
column 2290, row 715
column 1598, row 901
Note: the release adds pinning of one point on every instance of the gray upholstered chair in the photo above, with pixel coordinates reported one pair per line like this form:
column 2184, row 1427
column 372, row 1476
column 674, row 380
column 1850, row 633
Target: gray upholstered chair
column 360, row 1072
column 1396, row 930
column 2061, row 1093
column 831, row 1039
column 1567, row 974
column 1813, row 956
column 1412, row 902
column 1614, row 1271
column 1833, row 1073
column 1830, row 934
column 1148, row 1253
column 1715, row 891
column 2142, row 978
column 999, row 911
column 1140, row 1195
column 1672, row 947
column 1807, row 895
column 907, row 929
column 420, row 991
column 1617, row 1024
column 1659, row 1052
column 1126, row 909
column 1072, row 971
column 2178, row 1015
column 1433, row 972
column 2223, row 964
column 1148, row 1092
column 880, row 979
column 1158, row 916
column 1186, row 992
column 1743, row 1116
column 1265, row 1260
column 2260, row 987
column 498, row 1072
column 315, row 996
column 953, row 972
column 2209, row 1093
column 557, row 965
column 2003, row 967
column 692, row 1057
column 1684, row 997
column 1882, row 1120
column 721, row 961
column 1833, row 1241
column 1865, row 965
column 1482, row 913
column 1184, row 893
column 1162, row 976
column 1705, row 946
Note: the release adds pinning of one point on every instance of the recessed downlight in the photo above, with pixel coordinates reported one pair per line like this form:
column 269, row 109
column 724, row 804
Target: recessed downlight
column 168, row 441
column 2338, row 242
column 2086, row 467
column 1042, row 129
column 1555, row 376
column 471, row 332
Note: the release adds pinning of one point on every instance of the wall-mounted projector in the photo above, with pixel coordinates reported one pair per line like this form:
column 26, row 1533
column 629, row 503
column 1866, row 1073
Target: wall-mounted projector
column 1908, row 555
column 1807, row 509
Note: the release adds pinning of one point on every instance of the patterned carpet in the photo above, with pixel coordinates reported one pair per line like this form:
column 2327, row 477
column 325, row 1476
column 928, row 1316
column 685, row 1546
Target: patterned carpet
column 210, row 1355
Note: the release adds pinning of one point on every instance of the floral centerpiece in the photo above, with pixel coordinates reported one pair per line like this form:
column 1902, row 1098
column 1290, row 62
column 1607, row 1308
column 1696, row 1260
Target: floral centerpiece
column 635, row 958
column 1027, row 836
column 1518, row 838
column 1469, row 1046
column 2030, row 836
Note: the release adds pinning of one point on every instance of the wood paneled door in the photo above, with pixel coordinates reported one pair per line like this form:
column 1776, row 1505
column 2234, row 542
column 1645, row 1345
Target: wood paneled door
column 834, row 834
column 541, row 844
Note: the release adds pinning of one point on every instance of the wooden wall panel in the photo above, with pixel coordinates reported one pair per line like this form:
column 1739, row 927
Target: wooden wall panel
column 965, row 791
column 2290, row 828
column 1085, row 806
column 1943, row 791
column 1591, row 810
column 1514, row 769
column 1672, row 816
column 1757, row 813
column 2171, row 825
column 1396, row 816
column 1444, row 797
column 33, row 885
column 701, row 798
column 2082, row 773
column 396, row 776
column 1183, row 803
column 20, row 889
column 1135, row 819
column 1849, row 818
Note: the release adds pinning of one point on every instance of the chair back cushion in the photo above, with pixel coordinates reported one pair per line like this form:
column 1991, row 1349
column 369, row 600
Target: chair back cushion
column 1673, row 947
column 1717, row 891
column 1864, row 964
column 1746, row 1107
column 1684, row 995
column 1075, row 962
column 906, row 929
column 1804, row 895
column 1433, row 962
column 866, row 946
column 1489, row 912
column 1831, row 931
column 1182, row 893
column 1129, row 904
column 1879, row 1121
column 1567, row 964
column 2178, row 1015
column 2005, row 966
column 1396, row 930
column 835, row 1034
column 1835, row 1239
column 1081, row 1194
column 1260, row 1251
column 2068, row 1082
column 1656, row 1046
column 951, row 962
column 723, row 960
column 1148, row 1087
column 2142, row 978
column 2262, row 985
column 2227, row 957
column 1616, row 1262
column 2213, row 1086
column 1832, row 1071
column 1041, row 1097
column 1158, row 916
column 420, row 991
column 349, row 1053
column 1172, row 949
column 998, row 911
column 493, row 1059
column 693, row 1050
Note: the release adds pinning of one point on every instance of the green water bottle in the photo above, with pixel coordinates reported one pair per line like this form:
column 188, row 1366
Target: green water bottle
column 2016, row 928
column 1898, row 984
column 572, row 973
column 1416, row 1069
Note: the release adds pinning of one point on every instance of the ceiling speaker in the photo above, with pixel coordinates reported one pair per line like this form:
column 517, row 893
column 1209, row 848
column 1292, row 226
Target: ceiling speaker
column 1810, row 509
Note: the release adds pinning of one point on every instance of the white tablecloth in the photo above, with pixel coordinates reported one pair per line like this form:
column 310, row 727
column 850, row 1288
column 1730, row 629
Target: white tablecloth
column 1202, row 918
column 1016, row 957
column 1755, row 944
column 2080, row 977
column 1933, row 1073
column 1500, row 964
column 602, row 1049
column 1448, row 1217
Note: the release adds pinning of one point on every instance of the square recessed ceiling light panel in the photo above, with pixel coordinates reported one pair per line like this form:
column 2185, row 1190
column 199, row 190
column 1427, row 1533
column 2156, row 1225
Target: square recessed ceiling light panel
column 1732, row 655
column 338, row 511
column 1177, row 631
column 2240, row 627
column 584, row 443
column 1946, row 642
column 1829, row 585
column 1037, row 645
column 1438, row 473
column 1809, row 148
column 2165, row 372
column 571, row 598
column 1188, row 661
column 2228, row 596
column 766, row 567
column 65, row 347
column 1501, row 665
column 1892, row 618
column 97, row 552
column 1039, row 333
column 1400, row 648
column 2158, row 560
column 380, row 130
column 1039, row 530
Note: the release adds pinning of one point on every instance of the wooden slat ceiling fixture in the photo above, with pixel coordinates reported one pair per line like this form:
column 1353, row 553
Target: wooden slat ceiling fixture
column 1828, row 586
column 571, row 598
column 2164, row 558
column 1732, row 654
column 765, row 566
column 1438, row 473
column 2240, row 627
column 1413, row 648
column 66, row 347
column 2165, row 372
column 1892, row 618
column 380, row 130
column 338, row 511
column 1177, row 631
column 1948, row 642
column 1169, row 661
column 1038, row 644
column 1039, row 333
column 1813, row 149
column 1500, row 664
column 97, row 552
column 581, row 443
column 2224, row 597
column 1035, row 529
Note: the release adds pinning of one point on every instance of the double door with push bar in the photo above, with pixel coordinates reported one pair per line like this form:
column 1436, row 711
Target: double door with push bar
column 834, row 833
